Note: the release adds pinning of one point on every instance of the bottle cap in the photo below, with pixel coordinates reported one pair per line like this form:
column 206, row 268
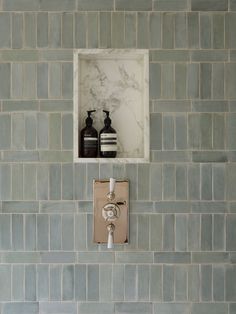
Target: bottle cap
column 89, row 120
column 107, row 120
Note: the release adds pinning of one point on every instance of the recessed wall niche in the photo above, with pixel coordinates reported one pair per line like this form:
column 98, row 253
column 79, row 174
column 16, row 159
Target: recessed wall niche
column 116, row 80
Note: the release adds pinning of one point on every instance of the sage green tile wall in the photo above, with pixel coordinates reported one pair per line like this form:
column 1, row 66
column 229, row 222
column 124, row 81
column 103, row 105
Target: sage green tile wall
column 181, row 257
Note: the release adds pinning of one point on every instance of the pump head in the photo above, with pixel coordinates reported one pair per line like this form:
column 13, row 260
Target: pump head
column 107, row 120
column 89, row 120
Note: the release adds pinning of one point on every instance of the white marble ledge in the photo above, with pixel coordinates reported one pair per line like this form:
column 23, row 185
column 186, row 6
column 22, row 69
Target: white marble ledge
column 111, row 160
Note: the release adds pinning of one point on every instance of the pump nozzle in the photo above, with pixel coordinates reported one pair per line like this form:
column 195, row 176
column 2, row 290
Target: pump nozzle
column 89, row 120
column 89, row 112
column 106, row 112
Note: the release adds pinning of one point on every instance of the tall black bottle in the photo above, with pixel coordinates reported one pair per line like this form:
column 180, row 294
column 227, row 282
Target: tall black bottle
column 89, row 138
column 107, row 139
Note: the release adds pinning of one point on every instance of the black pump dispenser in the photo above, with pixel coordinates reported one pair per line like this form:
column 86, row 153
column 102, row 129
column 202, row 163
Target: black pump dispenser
column 89, row 138
column 108, row 139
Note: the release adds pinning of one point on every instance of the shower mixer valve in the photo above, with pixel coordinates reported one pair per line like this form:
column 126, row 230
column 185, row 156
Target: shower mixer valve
column 111, row 211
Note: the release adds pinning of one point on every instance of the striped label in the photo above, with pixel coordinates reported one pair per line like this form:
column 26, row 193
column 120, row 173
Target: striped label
column 108, row 142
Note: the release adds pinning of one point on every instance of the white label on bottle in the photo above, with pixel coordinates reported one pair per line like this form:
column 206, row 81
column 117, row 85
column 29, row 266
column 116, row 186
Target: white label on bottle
column 108, row 135
column 90, row 139
column 108, row 148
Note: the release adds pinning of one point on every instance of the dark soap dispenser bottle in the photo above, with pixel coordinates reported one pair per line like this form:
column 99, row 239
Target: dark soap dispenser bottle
column 89, row 138
column 107, row 139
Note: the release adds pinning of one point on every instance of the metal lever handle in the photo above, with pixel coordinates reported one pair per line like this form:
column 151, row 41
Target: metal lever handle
column 110, row 241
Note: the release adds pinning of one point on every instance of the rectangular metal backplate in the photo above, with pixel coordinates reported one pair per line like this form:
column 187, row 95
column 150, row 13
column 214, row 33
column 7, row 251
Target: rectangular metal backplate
column 100, row 191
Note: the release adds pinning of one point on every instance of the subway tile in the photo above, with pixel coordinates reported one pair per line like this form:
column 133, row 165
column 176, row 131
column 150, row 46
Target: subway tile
column 206, row 130
column 142, row 30
column 181, row 131
column 167, row 77
column 80, row 29
column 5, row 182
column 5, row 25
column 206, row 182
column 21, row 5
column 68, row 232
column 143, row 235
column 17, row 232
column 105, row 29
column 155, row 30
column 54, row 34
column 210, row 257
column 118, row 171
column 90, row 244
column 18, row 282
column 218, row 31
column 67, row 131
column 130, row 282
column 155, row 80
column 17, row 82
column 89, row 308
column 134, row 257
column 209, row 156
column 105, row 292
column 17, row 181
column 180, row 28
column 5, row 86
column 68, row 282
column 56, row 106
column 20, row 156
column 180, row 81
column 193, row 29
column 194, row 232
column 134, row 5
column 30, row 30
column 193, row 283
column 55, row 80
column 67, row 30
column 209, row 207
column 209, row 55
column 132, row 174
column 168, row 182
column 42, row 282
column 20, row 207
column 30, row 130
column 42, row 182
column 181, row 273
column 57, row 307
column 100, row 5
column 55, row 232
column 20, row 55
column 168, row 283
column 219, row 182
column 133, row 232
column 206, row 232
column 230, row 77
column 21, row 258
column 168, row 132
column 67, row 182
column 85, row 206
column 80, row 231
column 169, row 55
column 67, row 80
column 55, row 182
column 168, row 232
column 42, row 232
column 230, row 182
column 172, row 258
column 55, row 131
column 172, row 207
column 171, row 156
column 205, row 31
column 5, row 229
column 210, row 308
column 156, row 181
column 55, row 282
column 42, row 30
column 230, row 41
column 117, row 30
column 206, row 283
column 30, row 282
column 5, row 130
column 21, row 307
column 168, row 30
column 171, row 5
column 30, row 232
column 193, row 80
column 133, row 307
column 181, row 232
column 29, row 182
column 205, row 80
column 5, row 277
column 42, row 130
column 143, row 272
column 156, row 283
column 17, row 30
column 230, row 289
column 95, row 257
column 18, row 131
column 55, row 55
column 57, row 5
column 218, row 283
column 143, row 181
column 181, row 182
column 230, row 125
column 80, row 282
column 232, row 308
column 219, row 232
column 230, row 232
column 79, row 181
column 42, row 80
column 118, row 283
column 92, row 282
column 209, row 5
column 232, row 106
column 209, row 105
column 172, row 308
column 92, row 30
